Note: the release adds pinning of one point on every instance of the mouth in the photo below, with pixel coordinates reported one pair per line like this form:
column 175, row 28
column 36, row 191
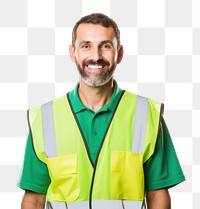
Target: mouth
column 95, row 66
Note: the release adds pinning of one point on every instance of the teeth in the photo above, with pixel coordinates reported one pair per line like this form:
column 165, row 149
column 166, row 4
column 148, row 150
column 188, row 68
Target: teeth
column 95, row 66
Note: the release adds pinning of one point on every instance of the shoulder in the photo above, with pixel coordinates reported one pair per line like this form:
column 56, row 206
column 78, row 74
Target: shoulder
column 152, row 104
column 49, row 103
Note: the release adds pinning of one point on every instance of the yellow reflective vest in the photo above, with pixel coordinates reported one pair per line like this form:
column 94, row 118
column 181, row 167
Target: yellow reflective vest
column 118, row 174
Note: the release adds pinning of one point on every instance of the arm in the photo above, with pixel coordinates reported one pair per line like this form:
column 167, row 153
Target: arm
column 34, row 177
column 158, row 199
column 32, row 200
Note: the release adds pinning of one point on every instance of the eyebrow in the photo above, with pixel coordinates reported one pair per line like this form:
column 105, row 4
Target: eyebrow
column 84, row 42
column 107, row 41
column 101, row 43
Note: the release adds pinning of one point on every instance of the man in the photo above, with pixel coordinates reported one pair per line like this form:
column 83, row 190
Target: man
column 98, row 146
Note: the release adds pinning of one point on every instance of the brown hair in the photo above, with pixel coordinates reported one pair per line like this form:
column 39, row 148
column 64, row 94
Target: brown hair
column 97, row 18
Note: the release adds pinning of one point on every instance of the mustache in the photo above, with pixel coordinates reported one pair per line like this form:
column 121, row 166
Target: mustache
column 96, row 62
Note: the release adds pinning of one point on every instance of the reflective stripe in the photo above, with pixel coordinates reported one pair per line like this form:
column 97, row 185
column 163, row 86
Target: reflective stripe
column 48, row 129
column 141, row 116
column 97, row 204
column 56, row 205
column 78, row 205
column 116, row 204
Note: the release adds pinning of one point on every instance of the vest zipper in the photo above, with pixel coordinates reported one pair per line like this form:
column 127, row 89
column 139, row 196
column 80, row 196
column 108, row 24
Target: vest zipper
column 95, row 166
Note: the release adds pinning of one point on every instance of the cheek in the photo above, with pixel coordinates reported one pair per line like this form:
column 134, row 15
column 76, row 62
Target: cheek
column 80, row 56
column 111, row 57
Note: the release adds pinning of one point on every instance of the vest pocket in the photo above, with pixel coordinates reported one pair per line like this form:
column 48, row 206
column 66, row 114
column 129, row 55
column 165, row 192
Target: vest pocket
column 127, row 177
column 64, row 184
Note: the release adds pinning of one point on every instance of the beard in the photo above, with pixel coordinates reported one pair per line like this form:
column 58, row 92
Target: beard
column 96, row 79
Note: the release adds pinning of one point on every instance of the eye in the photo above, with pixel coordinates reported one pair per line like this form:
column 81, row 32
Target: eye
column 106, row 46
column 85, row 46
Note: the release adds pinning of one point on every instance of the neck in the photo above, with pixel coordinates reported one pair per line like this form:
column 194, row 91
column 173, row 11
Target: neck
column 95, row 97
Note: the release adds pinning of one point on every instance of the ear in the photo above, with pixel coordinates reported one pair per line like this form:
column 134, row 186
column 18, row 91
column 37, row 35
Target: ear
column 72, row 53
column 120, row 54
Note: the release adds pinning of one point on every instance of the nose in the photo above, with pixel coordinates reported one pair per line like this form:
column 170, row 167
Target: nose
column 96, row 54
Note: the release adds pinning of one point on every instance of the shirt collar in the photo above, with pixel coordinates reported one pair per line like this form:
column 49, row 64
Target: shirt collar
column 79, row 106
column 114, row 98
column 75, row 100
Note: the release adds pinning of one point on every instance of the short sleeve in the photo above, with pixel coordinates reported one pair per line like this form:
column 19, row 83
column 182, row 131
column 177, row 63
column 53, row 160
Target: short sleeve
column 163, row 169
column 34, row 175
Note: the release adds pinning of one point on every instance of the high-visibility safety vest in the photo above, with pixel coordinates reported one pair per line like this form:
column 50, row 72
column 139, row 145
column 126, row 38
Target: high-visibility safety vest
column 116, row 181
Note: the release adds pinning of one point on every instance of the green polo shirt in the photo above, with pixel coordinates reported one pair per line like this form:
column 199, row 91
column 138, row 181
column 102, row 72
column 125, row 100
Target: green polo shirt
column 94, row 124
column 161, row 170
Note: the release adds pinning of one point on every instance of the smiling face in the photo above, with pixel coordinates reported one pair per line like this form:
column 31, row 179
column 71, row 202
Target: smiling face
column 95, row 53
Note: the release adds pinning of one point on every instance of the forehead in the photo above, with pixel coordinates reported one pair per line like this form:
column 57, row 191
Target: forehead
column 90, row 32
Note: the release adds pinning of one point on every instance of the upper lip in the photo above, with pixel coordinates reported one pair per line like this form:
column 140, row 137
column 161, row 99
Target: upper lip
column 99, row 63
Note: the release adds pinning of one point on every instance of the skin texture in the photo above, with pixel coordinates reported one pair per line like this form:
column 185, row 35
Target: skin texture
column 32, row 200
column 95, row 46
column 94, row 43
column 158, row 199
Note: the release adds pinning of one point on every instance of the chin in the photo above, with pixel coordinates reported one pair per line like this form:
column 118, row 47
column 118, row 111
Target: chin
column 96, row 83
